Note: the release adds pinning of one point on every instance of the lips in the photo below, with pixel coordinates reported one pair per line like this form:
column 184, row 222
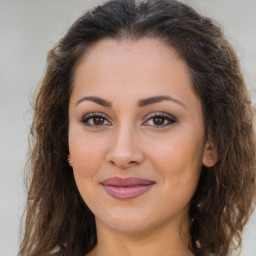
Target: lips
column 126, row 188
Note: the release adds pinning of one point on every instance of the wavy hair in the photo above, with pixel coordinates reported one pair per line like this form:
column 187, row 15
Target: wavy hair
column 57, row 219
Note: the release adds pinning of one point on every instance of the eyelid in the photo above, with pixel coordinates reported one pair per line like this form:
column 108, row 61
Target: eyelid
column 92, row 115
column 164, row 115
column 161, row 114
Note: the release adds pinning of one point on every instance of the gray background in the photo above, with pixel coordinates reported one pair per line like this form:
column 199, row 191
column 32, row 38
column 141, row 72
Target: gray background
column 28, row 28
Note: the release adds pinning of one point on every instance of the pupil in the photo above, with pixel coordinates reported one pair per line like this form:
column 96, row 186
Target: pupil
column 98, row 120
column 158, row 120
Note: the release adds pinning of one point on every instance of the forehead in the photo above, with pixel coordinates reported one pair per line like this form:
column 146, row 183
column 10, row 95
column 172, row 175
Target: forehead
column 142, row 55
column 136, row 68
column 133, row 48
column 112, row 46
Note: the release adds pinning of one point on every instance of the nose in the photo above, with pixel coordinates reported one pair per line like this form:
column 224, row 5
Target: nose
column 125, row 150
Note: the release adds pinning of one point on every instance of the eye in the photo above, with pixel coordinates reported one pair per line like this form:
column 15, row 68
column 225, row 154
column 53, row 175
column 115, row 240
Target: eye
column 95, row 120
column 159, row 120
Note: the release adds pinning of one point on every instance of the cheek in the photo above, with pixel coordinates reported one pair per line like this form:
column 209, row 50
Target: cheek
column 87, row 154
column 181, row 173
column 86, row 150
column 179, row 159
column 85, row 166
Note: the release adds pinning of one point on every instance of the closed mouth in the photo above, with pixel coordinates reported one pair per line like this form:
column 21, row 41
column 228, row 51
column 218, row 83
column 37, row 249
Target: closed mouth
column 126, row 188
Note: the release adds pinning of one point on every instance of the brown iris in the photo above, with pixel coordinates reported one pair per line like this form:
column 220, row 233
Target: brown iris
column 98, row 120
column 158, row 121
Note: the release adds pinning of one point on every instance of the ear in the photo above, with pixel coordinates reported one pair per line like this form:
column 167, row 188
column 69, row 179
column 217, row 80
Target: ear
column 210, row 154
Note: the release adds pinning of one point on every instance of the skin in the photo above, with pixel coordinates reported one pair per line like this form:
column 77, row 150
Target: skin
column 128, row 142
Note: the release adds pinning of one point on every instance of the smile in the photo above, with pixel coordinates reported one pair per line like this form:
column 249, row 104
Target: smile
column 126, row 188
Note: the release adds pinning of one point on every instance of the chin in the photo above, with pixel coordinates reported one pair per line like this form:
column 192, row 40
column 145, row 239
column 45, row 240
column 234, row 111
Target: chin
column 129, row 221
column 129, row 226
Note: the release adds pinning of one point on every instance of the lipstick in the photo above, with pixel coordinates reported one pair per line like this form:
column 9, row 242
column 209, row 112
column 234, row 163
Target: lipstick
column 126, row 188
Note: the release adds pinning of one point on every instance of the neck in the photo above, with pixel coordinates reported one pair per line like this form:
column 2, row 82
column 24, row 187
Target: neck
column 168, row 240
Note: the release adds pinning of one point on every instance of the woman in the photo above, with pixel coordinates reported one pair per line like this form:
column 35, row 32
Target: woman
column 143, row 140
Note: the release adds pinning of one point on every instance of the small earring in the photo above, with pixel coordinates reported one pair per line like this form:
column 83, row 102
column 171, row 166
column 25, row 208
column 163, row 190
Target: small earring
column 209, row 161
column 70, row 162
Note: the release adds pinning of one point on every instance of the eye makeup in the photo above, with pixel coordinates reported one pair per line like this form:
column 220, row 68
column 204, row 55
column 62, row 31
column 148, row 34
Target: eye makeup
column 156, row 120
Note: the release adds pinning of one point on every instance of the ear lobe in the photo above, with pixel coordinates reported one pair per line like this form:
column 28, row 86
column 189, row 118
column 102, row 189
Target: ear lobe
column 210, row 155
column 69, row 160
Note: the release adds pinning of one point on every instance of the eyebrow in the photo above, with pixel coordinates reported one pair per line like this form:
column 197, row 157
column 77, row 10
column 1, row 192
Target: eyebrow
column 95, row 99
column 141, row 103
column 156, row 99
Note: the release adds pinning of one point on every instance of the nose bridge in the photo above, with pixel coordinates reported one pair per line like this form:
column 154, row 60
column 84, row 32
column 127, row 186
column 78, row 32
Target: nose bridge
column 124, row 140
column 125, row 151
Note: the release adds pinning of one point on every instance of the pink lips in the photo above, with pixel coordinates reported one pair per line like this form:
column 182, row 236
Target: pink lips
column 126, row 188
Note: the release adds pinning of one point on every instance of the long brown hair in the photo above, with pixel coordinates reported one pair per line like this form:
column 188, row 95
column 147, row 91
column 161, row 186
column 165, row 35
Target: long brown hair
column 57, row 218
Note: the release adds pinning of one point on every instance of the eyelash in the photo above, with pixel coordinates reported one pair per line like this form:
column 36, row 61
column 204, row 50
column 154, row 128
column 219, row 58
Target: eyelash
column 92, row 116
column 167, row 117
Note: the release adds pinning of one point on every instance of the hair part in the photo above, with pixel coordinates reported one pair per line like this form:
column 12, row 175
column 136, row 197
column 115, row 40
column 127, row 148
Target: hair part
column 57, row 217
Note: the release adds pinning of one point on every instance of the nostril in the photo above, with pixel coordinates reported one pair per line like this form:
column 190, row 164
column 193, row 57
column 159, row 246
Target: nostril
column 123, row 164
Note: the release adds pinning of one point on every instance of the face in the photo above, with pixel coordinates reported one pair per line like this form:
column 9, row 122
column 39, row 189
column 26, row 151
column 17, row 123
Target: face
column 136, row 134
